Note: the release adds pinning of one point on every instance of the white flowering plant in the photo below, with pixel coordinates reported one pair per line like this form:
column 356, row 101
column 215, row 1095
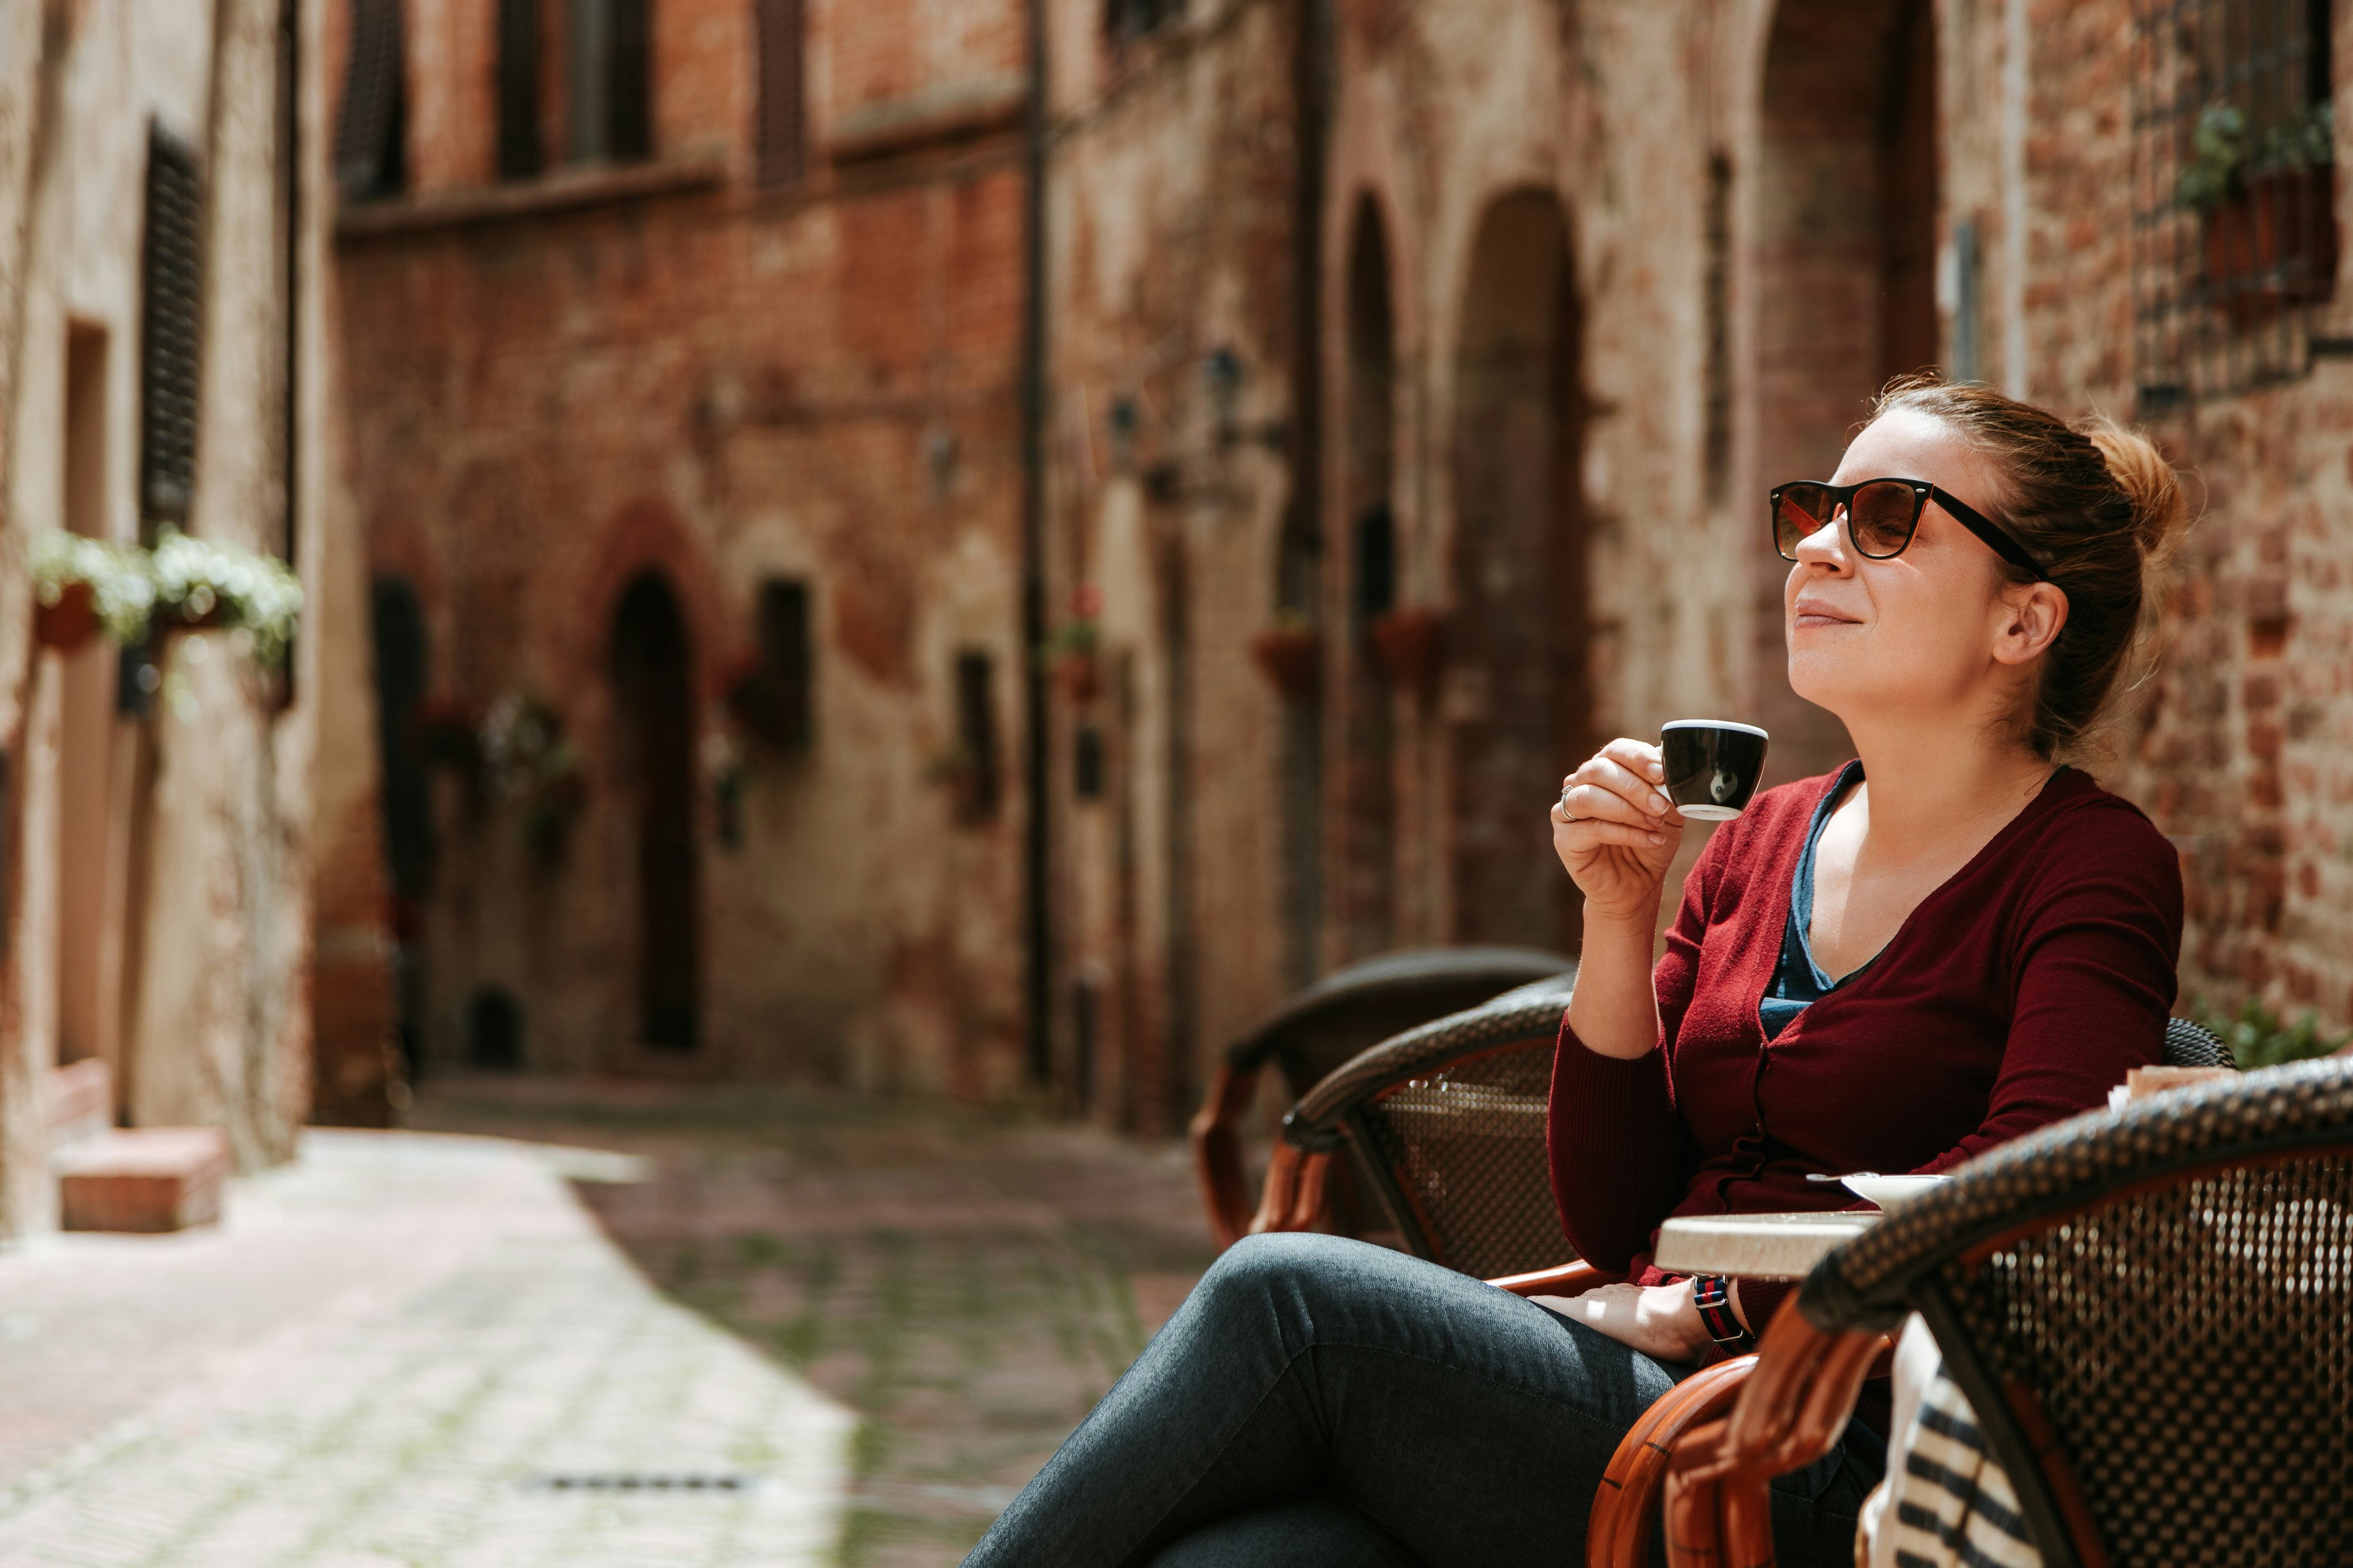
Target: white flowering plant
column 181, row 581
column 203, row 583
column 116, row 575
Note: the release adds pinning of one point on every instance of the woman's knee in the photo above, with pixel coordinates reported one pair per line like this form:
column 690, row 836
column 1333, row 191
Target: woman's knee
column 1295, row 1275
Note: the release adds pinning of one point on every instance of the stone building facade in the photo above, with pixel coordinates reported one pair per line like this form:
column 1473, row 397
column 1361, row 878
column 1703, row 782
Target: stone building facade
column 1387, row 426
column 161, row 190
column 684, row 340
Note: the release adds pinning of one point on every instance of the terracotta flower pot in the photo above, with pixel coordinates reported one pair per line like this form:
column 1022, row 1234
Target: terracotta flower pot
column 1411, row 646
column 1080, row 674
column 70, row 622
column 2275, row 244
column 1292, row 658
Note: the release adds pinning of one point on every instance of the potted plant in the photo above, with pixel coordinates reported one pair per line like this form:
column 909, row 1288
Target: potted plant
column 1291, row 654
column 1411, row 644
column 81, row 586
column 532, row 767
column 201, row 583
column 2267, row 206
column 1068, row 655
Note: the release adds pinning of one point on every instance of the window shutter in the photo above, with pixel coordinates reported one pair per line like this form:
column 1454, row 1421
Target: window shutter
column 368, row 154
column 631, row 127
column 780, row 134
column 173, row 278
column 519, row 149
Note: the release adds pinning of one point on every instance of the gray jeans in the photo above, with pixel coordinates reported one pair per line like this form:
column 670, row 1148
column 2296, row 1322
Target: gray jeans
column 1324, row 1401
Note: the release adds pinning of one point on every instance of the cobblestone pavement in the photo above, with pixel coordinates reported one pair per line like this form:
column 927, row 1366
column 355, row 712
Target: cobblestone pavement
column 580, row 1324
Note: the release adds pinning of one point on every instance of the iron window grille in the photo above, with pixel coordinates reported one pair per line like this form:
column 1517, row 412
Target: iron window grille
column 2235, row 235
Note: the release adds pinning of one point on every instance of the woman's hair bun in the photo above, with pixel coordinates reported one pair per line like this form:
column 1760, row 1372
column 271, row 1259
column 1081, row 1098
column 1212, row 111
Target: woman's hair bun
column 2160, row 512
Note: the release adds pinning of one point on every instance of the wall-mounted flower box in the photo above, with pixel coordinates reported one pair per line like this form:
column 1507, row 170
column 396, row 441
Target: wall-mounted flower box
column 1291, row 654
column 1411, row 646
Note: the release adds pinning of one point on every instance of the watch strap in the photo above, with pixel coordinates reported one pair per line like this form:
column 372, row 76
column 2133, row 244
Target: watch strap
column 1712, row 1296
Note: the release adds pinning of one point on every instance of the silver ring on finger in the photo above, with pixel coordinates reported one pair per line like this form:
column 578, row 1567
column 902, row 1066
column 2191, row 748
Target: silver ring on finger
column 1566, row 814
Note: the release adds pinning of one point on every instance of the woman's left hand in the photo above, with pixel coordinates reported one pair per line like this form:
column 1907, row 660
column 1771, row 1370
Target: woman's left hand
column 1660, row 1321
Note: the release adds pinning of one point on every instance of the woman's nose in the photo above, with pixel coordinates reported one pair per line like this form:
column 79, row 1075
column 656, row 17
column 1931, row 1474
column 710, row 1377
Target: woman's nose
column 1826, row 545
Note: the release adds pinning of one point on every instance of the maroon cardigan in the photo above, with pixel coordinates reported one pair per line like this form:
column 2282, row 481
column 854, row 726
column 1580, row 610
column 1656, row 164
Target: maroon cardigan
column 2018, row 993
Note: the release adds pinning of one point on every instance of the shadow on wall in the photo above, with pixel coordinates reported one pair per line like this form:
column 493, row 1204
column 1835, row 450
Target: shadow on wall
column 495, row 1031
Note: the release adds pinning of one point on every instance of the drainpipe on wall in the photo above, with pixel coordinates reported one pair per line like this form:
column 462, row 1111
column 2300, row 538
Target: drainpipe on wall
column 1037, row 915
column 1303, row 525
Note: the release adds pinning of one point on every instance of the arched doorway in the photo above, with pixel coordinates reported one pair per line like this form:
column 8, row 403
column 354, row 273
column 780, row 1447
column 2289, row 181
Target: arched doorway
column 396, row 624
column 1367, row 784
column 1521, row 703
column 653, row 692
column 1845, row 241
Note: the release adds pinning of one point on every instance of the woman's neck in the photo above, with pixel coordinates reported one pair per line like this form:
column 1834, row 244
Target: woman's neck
column 1930, row 786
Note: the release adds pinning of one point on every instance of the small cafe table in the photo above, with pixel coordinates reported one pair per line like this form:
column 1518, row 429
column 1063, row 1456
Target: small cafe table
column 1756, row 1246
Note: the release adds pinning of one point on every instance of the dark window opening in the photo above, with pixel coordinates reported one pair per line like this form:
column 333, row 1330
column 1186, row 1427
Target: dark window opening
column 495, row 1031
column 404, row 797
column 1716, row 444
column 976, row 748
column 520, row 155
column 654, row 688
column 2234, row 180
column 1087, row 763
column 371, row 136
column 788, row 659
column 172, row 339
column 1375, row 566
column 782, row 134
column 608, row 57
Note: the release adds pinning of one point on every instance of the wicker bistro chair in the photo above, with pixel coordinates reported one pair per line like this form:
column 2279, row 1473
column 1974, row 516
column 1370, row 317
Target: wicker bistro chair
column 1449, row 1121
column 2151, row 1310
column 1322, row 1027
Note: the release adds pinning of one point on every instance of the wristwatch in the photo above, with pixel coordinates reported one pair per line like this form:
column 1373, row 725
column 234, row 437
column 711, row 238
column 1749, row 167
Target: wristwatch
column 1714, row 1297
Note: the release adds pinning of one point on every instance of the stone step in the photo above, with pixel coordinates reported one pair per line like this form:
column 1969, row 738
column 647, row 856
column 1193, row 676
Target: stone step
column 81, row 1101
column 143, row 1179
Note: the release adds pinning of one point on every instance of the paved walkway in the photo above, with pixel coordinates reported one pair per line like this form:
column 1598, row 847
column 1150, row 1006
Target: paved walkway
column 588, row 1325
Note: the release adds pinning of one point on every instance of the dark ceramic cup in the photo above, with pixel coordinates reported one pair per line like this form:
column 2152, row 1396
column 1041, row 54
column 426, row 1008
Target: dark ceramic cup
column 1712, row 766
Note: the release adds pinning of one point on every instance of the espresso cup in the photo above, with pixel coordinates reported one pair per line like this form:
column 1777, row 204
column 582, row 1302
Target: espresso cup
column 1712, row 766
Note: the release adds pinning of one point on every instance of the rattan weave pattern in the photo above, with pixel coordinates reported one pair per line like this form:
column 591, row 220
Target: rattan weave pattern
column 2192, row 1349
column 1532, row 1013
column 1467, row 1146
column 1863, row 1283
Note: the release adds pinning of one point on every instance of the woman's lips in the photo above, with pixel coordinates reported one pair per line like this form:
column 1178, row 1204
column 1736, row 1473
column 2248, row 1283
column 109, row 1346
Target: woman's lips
column 1810, row 614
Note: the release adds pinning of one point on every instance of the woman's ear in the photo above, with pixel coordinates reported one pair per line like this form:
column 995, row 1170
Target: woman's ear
column 2033, row 619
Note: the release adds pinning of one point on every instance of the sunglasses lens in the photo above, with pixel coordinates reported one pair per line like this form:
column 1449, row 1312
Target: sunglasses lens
column 1800, row 513
column 1880, row 518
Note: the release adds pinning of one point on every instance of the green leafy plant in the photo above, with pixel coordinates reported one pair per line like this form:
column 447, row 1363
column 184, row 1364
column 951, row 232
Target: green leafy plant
column 530, row 765
column 2222, row 154
column 2259, row 1037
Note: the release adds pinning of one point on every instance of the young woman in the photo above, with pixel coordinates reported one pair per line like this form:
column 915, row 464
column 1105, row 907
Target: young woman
column 1951, row 941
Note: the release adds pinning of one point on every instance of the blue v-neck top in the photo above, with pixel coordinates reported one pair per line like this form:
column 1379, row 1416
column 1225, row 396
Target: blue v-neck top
column 1798, row 980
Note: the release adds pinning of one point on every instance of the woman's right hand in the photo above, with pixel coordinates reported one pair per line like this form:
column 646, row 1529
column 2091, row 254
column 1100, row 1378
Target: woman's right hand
column 1620, row 832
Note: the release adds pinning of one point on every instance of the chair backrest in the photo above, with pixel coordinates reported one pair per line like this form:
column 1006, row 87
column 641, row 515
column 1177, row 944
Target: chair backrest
column 2187, row 1045
column 1321, row 1027
column 2151, row 1309
column 1448, row 1120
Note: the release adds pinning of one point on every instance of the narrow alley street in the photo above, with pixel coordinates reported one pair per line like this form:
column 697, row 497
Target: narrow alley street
column 565, row 1323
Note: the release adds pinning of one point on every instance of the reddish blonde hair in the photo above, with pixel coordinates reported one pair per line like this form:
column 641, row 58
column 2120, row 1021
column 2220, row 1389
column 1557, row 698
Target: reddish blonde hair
column 2100, row 507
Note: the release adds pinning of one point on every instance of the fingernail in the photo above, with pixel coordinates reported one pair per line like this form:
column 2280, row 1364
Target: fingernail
column 1657, row 838
column 1663, row 803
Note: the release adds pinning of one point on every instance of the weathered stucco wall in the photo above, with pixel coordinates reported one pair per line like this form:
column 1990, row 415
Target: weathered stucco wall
column 159, row 863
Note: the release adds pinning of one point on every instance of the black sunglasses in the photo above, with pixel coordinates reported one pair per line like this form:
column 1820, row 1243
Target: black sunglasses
column 1881, row 516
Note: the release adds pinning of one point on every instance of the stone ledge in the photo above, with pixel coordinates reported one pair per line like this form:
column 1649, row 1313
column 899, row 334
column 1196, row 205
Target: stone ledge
column 146, row 1179
column 561, row 190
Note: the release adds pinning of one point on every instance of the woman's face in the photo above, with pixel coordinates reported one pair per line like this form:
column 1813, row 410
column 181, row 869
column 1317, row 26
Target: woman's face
column 1935, row 629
